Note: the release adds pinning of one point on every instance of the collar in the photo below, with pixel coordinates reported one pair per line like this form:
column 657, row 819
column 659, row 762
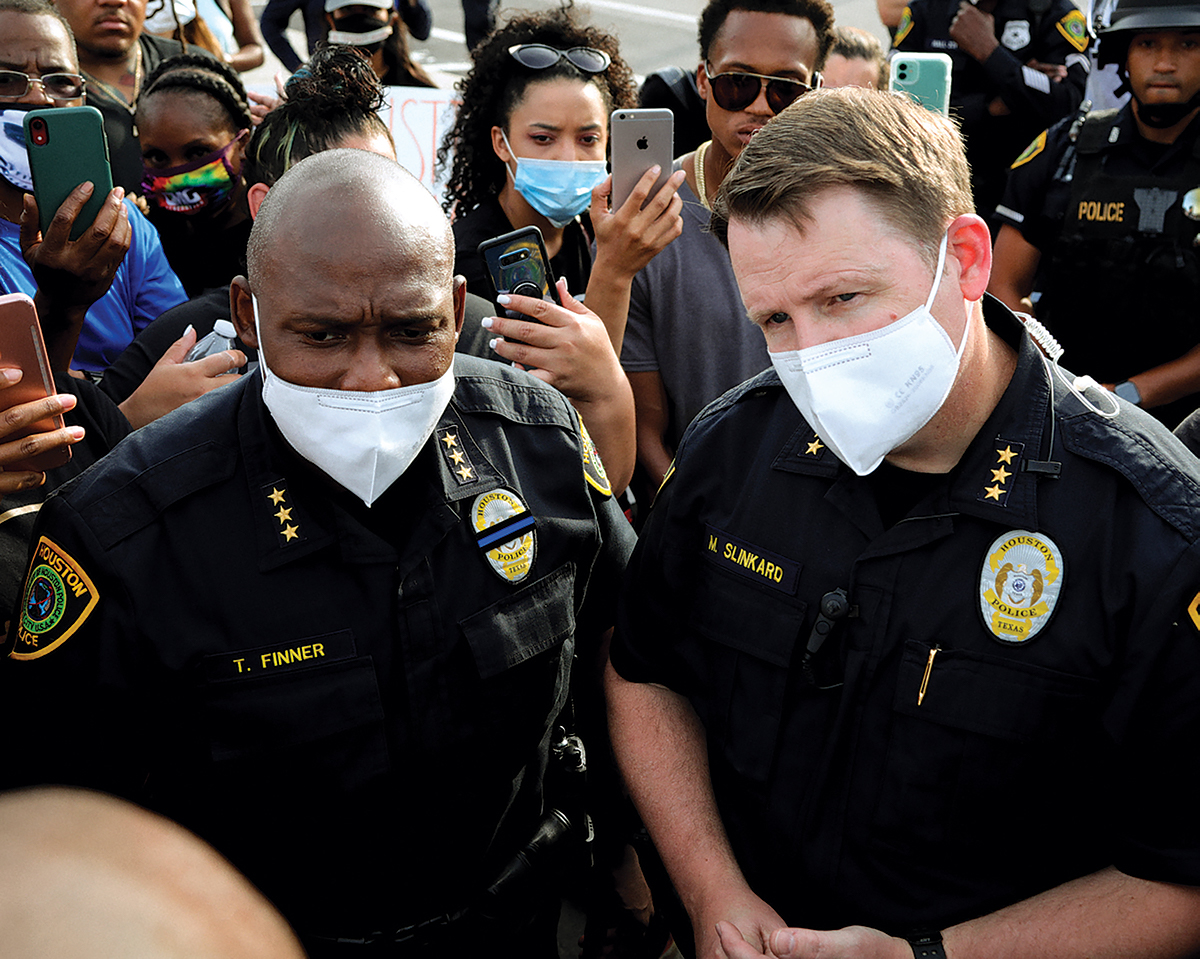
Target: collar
column 997, row 478
column 297, row 513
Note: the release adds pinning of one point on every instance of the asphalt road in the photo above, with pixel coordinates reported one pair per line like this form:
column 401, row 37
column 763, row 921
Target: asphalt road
column 652, row 35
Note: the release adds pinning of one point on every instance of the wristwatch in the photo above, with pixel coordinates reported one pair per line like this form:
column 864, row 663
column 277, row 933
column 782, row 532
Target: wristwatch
column 927, row 945
column 1129, row 392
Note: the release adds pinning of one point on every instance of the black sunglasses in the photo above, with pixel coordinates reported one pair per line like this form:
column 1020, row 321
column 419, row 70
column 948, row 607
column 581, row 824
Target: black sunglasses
column 57, row 86
column 540, row 56
column 736, row 91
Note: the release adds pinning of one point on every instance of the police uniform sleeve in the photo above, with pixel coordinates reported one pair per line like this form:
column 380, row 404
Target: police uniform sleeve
column 1028, row 92
column 910, row 31
column 1153, row 717
column 1033, row 203
column 72, row 680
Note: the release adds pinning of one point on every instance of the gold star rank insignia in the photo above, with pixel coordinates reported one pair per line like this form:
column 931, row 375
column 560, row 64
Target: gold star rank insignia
column 276, row 496
column 1006, row 455
column 284, row 514
column 290, row 532
column 993, row 492
column 455, row 455
column 815, row 447
column 1000, row 475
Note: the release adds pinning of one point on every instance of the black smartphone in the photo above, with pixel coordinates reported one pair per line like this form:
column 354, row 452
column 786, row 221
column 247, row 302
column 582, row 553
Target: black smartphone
column 517, row 263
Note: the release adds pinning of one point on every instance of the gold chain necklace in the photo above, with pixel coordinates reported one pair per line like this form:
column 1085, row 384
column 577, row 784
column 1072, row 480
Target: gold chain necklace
column 701, row 186
column 114, row 92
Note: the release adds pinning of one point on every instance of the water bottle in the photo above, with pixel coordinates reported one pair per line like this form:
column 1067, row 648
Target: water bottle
column 220, row 339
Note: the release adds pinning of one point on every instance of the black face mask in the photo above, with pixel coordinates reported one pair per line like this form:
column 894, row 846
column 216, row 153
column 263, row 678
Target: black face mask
column 350, row 28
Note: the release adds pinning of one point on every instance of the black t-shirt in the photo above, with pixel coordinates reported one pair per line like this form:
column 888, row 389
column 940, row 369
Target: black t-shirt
column 203, row 256
column 488, row 220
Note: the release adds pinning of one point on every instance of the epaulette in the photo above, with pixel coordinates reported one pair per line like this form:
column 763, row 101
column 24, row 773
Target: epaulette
column 155, row 467
column 1096, row 133
column 485, row 386
column 1162, row 470
column 753, row 387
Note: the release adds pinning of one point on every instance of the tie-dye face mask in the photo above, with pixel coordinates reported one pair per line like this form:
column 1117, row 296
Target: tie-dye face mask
column 205, row 183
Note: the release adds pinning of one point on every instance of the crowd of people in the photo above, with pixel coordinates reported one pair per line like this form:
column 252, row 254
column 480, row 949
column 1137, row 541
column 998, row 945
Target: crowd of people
column 815, row 575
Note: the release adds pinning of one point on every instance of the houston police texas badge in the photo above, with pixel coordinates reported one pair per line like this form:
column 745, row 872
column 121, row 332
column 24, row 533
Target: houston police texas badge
column 1019, row 585
column 504, row 530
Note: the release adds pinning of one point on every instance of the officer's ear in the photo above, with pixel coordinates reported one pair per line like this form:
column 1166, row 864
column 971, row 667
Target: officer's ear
column 241, row 308
column 970, row 243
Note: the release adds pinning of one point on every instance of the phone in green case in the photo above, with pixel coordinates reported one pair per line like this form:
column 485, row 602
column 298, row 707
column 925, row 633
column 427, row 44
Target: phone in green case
column 923, row 77
column 67, row 147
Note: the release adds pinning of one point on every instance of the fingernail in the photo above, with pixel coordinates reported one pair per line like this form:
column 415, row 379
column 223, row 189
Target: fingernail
column 656, row 169
column 492, row 342
column 76, row 432
column 11, row 375
column 784, row 941
column 486, row 322
column 503, row 299
column 188, row 329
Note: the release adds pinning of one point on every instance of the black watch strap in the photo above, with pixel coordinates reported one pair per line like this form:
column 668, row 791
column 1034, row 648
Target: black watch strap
column 927, row 945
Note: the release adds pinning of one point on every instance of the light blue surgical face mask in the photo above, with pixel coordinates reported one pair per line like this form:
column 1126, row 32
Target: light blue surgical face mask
column 558, row 189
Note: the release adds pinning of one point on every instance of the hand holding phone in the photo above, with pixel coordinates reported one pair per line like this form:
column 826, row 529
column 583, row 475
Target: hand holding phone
column 517, row 263
column 27, row 393
column 640, row 139
column 67, row 147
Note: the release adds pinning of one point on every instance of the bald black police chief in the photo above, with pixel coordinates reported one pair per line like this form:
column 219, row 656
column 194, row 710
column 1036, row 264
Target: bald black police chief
column 352, row 702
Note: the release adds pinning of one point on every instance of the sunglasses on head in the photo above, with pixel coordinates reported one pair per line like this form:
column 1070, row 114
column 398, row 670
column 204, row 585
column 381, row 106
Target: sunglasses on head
column 540, row 56
column 57, row 86
column 736, row 91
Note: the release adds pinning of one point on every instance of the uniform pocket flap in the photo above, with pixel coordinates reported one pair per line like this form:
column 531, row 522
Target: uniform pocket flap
column 523, row 624
column 747, row 620
column 987, row 694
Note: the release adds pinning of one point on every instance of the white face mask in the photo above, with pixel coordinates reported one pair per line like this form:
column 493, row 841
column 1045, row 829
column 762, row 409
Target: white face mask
column 365, row 440
column 14, row 155
column 865, row 395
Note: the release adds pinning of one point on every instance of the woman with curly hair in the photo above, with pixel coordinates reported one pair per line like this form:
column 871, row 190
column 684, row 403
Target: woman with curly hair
column 193, row 120
column 529, row 146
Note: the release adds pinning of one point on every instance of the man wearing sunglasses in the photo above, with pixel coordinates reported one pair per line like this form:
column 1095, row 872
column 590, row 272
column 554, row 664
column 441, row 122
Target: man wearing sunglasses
column 686, row 341
column 1020, row 66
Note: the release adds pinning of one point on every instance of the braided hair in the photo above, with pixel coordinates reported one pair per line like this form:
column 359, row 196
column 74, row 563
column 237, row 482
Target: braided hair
column 204, row 75
column 496, row 85
column 333, row 96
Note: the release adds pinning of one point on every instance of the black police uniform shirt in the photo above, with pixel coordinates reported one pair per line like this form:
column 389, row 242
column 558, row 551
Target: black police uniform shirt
column 1011, row 701
column 1116, row 218
column 1058, row 36
column 352, row 705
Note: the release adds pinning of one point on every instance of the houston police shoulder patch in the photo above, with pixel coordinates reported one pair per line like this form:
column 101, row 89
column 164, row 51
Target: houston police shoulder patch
column 593, row 468
column 1073, row 27
column 58, row 597
column 1036, row 147
column 504, row 531
column 1019, row 585
column 903, row 28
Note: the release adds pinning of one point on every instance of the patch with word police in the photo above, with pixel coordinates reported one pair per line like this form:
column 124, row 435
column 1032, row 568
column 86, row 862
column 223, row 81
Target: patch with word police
column 593, row 468
column 1016, row 35
column 59, row 597
column 280, row 658
column 763, row 567
column 903, row 28
column 282, row 509
column 1019, row 585
column 1073, row 27
column 1036, row 147
column 504, row 530
column 456, row 457
column 998, row 482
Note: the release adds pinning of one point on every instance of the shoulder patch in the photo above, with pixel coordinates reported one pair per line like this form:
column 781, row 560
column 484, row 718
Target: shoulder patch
column 1073, row 27
column 1036, row 147
column 903, row 28
column 593, row 468
column 1194, row 611
column 58, row 598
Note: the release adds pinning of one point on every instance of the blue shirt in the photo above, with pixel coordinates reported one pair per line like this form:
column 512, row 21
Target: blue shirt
column 143, row 288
